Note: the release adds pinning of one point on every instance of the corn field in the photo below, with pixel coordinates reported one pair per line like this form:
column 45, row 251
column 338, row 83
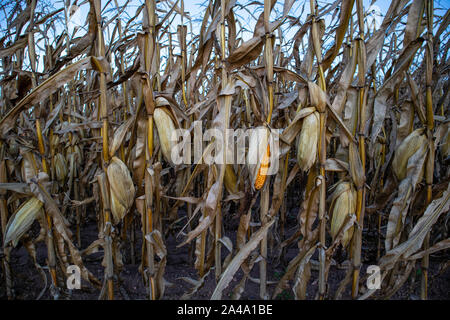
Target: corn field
column 88, row 180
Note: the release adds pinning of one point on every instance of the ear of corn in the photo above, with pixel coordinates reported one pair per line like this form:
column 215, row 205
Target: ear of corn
column 161, row 102
column 308, row 141
column 230, row 179
column 258, row 156
column 356, row 168
column 60, row 167
column 117, row 209
column 317, row 96
column 21, row 220
column 122, row 188
column 343, row 204
column 165, row 127
column 28, row 168
column 405, row 150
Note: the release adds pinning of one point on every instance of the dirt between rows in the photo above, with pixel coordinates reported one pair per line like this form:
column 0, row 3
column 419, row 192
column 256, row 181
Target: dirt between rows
column 28, row 283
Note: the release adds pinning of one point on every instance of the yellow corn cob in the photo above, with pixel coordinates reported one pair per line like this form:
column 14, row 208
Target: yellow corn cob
column 262, row 172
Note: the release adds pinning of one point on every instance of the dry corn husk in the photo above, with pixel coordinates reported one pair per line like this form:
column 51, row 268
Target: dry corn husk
column 428, row 168
column 378, row 152
column 117, row 209
column 161, row 101
column 356, row 168
column 10, row 166
column 165, row 127
column 3, row 176
column 60, row 167
column 28, row 169
column 54, row 141
column 75, row 139
column 317, row 96
column 13, row 149
column 405, row 150
column 343, row 203
column 79, row 154
column 308, row 141
column 230, row 179
column 258, row 156
column 445, row 146
column 21, row 220
column 122, row 189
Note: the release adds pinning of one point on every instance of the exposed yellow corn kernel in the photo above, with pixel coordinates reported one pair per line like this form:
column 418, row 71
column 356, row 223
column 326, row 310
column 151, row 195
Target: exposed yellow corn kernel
column 262, row 172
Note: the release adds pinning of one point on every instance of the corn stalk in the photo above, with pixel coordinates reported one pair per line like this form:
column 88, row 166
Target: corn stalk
column 429, row 164
column 360, row 180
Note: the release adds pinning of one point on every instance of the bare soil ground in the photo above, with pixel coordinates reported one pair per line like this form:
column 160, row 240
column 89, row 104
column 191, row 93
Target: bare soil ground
column 28, row 284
